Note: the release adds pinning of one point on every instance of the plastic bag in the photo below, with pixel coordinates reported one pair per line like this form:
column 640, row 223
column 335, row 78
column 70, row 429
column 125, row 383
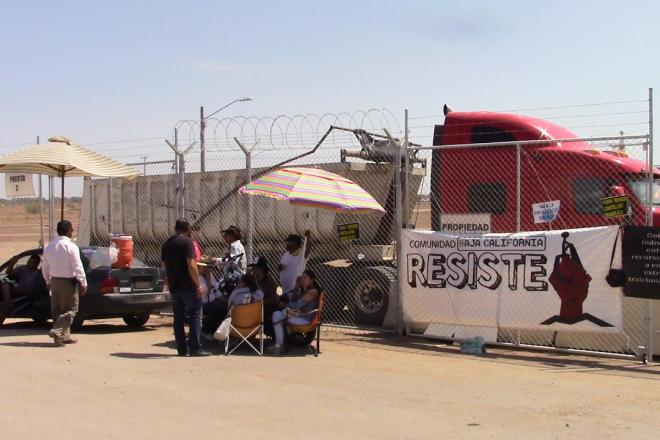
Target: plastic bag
column 113, row 253
column 222, row 333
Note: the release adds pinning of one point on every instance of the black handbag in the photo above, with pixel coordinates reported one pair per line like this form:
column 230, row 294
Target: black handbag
column 615, row 277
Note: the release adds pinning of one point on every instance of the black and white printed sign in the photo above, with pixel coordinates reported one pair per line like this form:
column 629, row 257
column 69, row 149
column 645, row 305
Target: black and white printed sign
column 19, row 185
column 641, row 261
column 534, row 280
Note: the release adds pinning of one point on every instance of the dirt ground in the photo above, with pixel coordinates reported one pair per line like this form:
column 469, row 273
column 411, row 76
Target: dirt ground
column 123, row 384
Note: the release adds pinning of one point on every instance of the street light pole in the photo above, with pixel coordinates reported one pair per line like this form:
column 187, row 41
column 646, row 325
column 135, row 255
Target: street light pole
column 202, row 143
column 202, row 127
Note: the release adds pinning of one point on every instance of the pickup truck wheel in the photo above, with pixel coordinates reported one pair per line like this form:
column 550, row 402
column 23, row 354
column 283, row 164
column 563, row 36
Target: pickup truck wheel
column 371, row 294
column 41, row 317
column 137, row 320
column 40, row 321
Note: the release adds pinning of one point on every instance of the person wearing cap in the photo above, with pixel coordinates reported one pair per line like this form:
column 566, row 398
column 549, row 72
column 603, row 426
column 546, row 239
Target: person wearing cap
column 236, row 252
column 294, row 260
column 178, row 259
column 268, row 285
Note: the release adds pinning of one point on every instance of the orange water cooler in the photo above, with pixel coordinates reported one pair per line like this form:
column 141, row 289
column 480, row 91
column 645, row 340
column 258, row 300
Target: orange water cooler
column 124, row 245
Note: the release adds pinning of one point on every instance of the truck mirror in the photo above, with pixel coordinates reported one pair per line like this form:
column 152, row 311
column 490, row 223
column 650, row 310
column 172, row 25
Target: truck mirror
column 617, row 190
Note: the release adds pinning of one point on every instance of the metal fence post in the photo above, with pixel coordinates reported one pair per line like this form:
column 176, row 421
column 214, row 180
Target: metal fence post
column 182, row 193
column 110, row 205
column 518, row 186
column 181, row 173
column 649, row 222
column 398, row 229
column 250, row 203
column 406, row 179
column 177, row 180
column 403, row 210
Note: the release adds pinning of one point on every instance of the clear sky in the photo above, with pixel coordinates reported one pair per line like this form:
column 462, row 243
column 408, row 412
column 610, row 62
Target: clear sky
column 118, row 70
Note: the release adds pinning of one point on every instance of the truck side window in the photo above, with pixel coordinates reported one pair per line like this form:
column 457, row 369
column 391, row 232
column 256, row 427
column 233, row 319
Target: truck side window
column 487, row 134
column 587, row 195
column 487, row 197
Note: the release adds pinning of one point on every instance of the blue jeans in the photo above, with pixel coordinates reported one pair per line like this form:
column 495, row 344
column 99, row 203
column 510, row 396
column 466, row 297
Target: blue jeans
column 187, row 303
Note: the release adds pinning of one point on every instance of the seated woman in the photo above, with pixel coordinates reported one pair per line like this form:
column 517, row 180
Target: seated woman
column 299, row 311
column 246, row 292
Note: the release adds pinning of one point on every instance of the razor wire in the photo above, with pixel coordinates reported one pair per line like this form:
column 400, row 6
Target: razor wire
column 288, row 132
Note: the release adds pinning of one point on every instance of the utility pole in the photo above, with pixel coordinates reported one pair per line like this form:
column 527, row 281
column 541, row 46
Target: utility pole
column 144, row 165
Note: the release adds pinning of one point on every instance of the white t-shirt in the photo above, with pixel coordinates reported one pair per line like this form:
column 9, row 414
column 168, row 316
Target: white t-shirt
column 235, row 249
column 293, row 266
column 242, row 295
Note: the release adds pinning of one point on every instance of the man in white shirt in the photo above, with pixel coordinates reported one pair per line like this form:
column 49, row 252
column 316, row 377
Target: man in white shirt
column 294, row 260
column 65, row 276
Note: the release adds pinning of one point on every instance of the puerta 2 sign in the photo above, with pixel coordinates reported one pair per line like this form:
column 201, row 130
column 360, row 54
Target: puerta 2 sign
column 537, row 280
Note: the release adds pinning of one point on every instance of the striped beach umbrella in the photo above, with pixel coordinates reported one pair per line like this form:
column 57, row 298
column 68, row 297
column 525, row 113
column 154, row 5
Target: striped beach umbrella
column 314, row 188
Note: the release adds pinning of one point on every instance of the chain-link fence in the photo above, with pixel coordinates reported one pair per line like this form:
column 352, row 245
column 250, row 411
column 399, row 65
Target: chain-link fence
column 498, row 179
column 357, row 274
column 481, row 181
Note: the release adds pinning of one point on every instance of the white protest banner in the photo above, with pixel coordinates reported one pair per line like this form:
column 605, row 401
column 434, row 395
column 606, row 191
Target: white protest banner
column 546, row 211
column 19, row 185
column 465, row 223
column 533, row 280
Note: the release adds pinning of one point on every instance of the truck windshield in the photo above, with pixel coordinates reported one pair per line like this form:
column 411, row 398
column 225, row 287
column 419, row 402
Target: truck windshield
column 640, row 187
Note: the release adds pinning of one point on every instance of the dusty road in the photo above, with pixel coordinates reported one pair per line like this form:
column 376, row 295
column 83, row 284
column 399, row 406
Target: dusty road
column 125, row 384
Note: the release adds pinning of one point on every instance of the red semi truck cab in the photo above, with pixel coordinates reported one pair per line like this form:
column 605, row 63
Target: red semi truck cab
column 579, row 175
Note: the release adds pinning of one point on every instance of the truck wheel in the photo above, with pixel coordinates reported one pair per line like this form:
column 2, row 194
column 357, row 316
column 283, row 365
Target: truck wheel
column 136, row 320
column 371, row 294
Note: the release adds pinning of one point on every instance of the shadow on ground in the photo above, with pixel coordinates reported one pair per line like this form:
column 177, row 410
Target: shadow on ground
column 143, row 355
column 557, row 361
column 28, row 344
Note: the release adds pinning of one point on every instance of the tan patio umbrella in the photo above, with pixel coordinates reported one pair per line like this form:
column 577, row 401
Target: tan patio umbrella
column 60, row 158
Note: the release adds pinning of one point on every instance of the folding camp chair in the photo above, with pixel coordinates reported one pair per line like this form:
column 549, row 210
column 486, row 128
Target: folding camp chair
column 247, row 321
column 307, row 332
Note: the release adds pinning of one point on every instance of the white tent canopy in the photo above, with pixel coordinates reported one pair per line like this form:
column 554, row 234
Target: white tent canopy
column 61, row 158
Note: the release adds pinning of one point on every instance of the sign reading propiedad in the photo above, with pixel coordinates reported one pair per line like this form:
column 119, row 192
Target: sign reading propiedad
column 349, row 232
column 19, row 185
column 545, row 212
column 465, row 223
column 616, row 206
